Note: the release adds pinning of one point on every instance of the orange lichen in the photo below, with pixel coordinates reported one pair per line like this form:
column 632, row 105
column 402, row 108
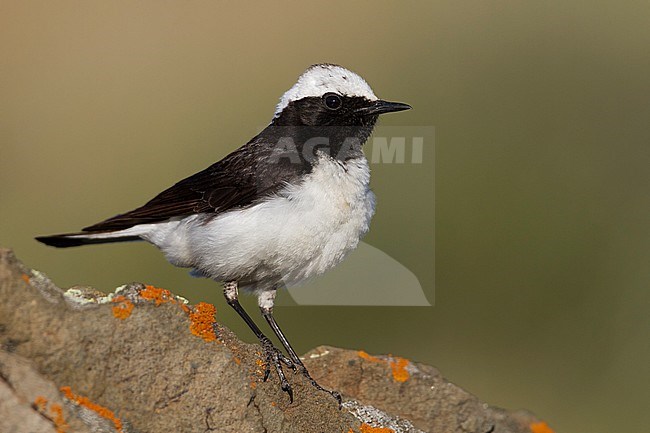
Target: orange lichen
column 368, row 357
column 398, row 365
column 540, row 427
column 40, row 403
column 25, row 278
column 201, row 317
column 123, row 308
column 58, row 419
column 365, row 428
column 160, row 296
column 237, row 360
column 202, row 321
column 100, row 410
column 261, row 367
column 56, row 413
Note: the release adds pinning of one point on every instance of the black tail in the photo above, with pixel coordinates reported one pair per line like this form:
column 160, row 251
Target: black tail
column 75, row 240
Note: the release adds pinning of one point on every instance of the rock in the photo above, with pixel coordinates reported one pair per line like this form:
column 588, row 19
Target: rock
column 143, row 360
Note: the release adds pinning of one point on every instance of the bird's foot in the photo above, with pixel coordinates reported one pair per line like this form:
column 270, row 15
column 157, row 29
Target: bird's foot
column 275, row 358
column 302, row 369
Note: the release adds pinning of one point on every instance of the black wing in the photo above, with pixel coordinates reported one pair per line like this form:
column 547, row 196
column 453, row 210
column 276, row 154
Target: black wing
column 243, row 178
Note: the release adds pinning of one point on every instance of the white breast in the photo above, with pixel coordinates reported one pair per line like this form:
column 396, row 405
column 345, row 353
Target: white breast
column 301, row 233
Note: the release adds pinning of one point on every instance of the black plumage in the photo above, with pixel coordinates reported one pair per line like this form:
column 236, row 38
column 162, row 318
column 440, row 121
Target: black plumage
column 282, row 153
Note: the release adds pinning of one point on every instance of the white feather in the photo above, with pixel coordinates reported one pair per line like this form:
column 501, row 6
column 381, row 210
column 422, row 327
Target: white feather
column 298, row 234
column 324, row 78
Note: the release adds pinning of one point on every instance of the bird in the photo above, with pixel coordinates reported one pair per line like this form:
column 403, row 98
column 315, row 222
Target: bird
column 283, row 208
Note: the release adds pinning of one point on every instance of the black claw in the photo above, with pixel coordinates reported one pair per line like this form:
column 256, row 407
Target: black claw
column 316, row 385
column 289, row 391
column 267, row 371
column 338, row 398
column 276, row 358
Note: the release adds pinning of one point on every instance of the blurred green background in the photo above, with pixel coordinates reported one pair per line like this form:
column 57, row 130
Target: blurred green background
column 541, row 112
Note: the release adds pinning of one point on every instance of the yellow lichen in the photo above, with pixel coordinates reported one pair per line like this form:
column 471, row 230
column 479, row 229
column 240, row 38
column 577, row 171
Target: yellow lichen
column 540, row 427
column 100, row 410
column 202, row 321
column 123, row 308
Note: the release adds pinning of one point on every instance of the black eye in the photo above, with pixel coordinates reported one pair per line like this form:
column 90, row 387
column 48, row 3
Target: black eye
column 332, row 101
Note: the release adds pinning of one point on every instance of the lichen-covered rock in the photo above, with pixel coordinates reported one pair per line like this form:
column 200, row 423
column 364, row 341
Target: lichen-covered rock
column 143, row 360
column 410, row 391
column 31, row 403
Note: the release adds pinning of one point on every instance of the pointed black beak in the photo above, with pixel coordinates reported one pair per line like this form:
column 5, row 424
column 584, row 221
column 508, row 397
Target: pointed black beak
column 381, row 107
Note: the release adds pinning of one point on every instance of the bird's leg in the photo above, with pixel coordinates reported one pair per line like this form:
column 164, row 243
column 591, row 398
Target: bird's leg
column 266, row 300
column 273, row 355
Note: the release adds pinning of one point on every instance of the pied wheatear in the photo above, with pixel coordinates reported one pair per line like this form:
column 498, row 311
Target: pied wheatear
column 285, row 207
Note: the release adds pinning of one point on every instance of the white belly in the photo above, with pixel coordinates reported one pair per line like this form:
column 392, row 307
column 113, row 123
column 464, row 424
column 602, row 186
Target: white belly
column 299, row 234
